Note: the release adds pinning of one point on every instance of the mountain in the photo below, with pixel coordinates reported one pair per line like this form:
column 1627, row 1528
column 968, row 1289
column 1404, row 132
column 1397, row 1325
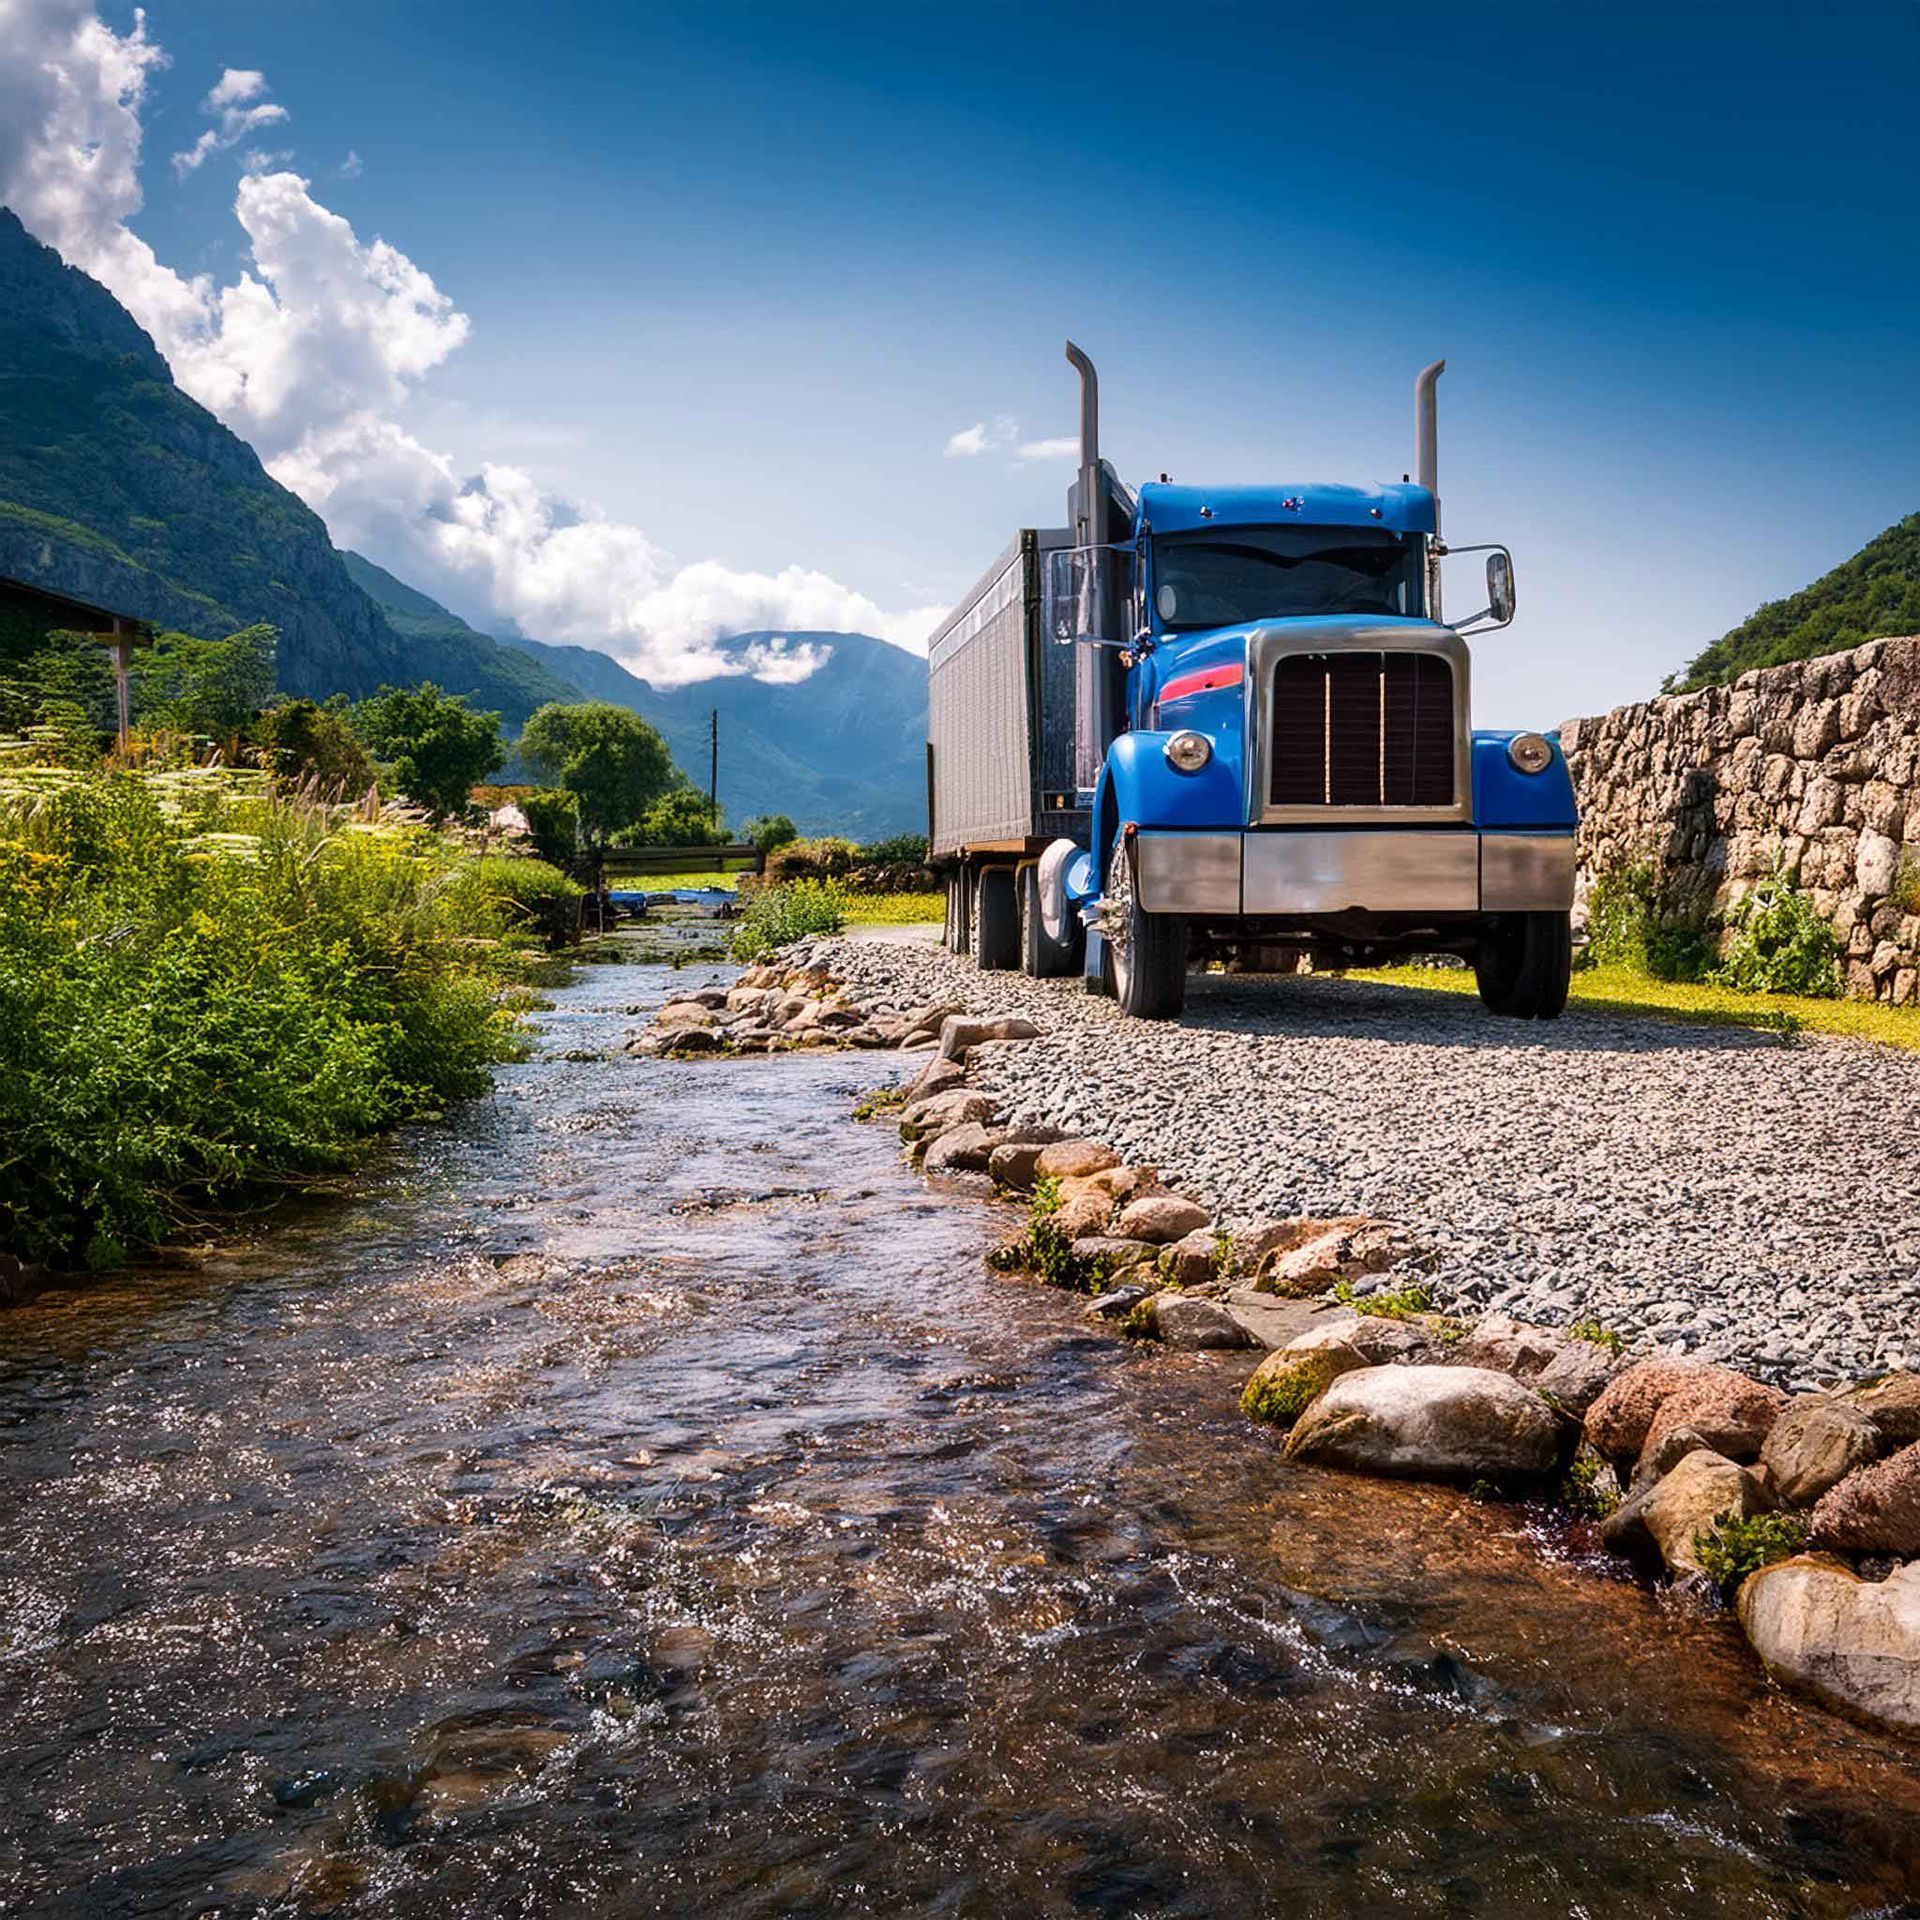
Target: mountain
column 118, row 489
column 1874, row 594
column 844, row 751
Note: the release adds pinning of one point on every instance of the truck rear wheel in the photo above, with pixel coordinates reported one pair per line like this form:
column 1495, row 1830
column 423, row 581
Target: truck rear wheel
column 1525, row 964
column 1146, row 952
column 996, row 921
column 1044, row 957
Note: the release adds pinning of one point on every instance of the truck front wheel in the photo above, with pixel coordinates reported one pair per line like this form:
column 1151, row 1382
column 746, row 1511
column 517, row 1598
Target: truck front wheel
column 1146, row 952
column 1525, row 964
column 996, row 921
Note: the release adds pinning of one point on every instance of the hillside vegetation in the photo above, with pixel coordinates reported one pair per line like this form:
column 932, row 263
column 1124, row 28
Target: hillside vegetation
column 1874, row 594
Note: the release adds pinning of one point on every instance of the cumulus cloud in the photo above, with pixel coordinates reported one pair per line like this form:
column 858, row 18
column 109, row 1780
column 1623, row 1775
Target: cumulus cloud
column 1065, row 447
column 235, row 101
column 312, row 351
column 1001, row 434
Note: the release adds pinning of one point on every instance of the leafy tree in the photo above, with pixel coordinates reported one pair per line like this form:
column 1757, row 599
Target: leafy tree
column 67, row 681
column 304, row 740
column 211, row 687
column 769, row 830
column 606, row 756
column 680, row 818
column 437, row 746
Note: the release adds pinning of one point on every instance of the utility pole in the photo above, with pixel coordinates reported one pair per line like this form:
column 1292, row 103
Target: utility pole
column 713, row 773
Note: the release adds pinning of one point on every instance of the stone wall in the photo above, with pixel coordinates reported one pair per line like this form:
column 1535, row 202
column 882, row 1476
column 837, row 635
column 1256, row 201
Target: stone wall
column 1817, row 761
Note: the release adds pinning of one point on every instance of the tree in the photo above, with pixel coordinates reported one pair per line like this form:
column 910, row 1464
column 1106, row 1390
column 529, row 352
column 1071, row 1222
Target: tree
column 306, row 741
column 66, row 682
column 553, row 818
column 437, row 746
column 680, row 818
column 606, row 756
column 769, row 830
column 215, row 688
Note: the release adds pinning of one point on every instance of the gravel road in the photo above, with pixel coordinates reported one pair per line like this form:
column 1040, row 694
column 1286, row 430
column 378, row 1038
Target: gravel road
column 1713, row 1190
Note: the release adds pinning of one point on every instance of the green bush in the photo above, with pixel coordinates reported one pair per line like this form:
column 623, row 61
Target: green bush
column 1638, row 921
column 777, row 915
column 681, row 818
column 534, row 896
column 903, row 850
column 1780, row 944
column 553, row 818
column 206, row 992
column 823, row 859
column 768, row 831
column 1732, row 1548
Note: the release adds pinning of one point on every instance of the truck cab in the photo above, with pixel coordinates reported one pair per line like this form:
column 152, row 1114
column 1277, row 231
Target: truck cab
column 1272, row 749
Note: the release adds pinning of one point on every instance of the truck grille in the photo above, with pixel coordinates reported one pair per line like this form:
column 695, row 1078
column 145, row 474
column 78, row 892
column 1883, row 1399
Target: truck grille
column 1362, row 730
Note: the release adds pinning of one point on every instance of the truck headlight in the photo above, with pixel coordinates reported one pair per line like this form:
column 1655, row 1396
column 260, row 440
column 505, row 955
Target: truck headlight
column 1530, row 752
column 1189, row 751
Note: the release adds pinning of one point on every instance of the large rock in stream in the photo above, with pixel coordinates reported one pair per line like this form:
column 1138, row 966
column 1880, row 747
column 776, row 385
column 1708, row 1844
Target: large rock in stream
column 1438, row 1423
column 1852, row 1643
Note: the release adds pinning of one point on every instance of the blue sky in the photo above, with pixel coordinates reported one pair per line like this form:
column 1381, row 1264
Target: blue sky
column 736, row 274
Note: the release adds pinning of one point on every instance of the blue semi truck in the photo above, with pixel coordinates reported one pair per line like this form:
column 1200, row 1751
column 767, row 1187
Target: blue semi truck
column 1229, row 723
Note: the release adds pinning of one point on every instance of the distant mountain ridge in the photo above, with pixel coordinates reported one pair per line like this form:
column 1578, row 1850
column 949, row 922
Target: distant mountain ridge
column 842, row 751
column 1874, row 594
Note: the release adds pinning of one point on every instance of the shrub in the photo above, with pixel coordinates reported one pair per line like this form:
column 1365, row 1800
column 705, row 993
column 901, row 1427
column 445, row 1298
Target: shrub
column 768, row 831
column 535, row 896
column 681, row 818
column 1599, row 1335
column 1732, row 1548
column 823, row 859
column 1906, row 885
column 1780, row 944
column 1636, row 920
column 777, row 915
column 303, row 741
column 1590, row 1486
column 553, row 818
column 206, row 992
column 902, row 850
column 1396, row 1303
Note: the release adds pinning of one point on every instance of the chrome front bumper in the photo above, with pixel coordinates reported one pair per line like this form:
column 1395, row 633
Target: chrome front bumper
column 1420, row 870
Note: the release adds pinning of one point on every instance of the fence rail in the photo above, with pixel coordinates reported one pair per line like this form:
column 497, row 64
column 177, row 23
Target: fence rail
column 635, row 863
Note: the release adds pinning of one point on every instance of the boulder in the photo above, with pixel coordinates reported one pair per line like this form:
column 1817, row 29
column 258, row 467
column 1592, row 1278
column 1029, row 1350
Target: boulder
column 937, row 1076
column 922, row 1026
column 1117, row 1304
column 1874, row 1510
column 959, row 1035
column 1852, row 1643
column 1017, row 1163
column 1253, row 1245
column 1576, row 1377
column 1814, row 1445
column 1378, row 1340
column 1299, row 1271
column 1641, row 1406
column 1685, row 1503
column 1081, row 1214
column 1117, row 1183
column 1285, row 1384
column 938, row 1112
column 962, row 1149
column 1658, row 1458
column 1510, row 1346
column 1164, row 1217
column 683, row 1013
column 1272, row 1323
column 712, row 998
column 684, row 1040
column 1449, row 1423
column 1892, row 1403
column 1108, row 1253
column 1189, row 1261
column 1186, row 1321
column 1070, row 1159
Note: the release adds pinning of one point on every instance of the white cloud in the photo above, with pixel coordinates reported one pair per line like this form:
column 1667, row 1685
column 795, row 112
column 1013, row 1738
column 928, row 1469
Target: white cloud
column 313, row 350
column 235, row 103
column 351, row 167
column 1065, row 447
column 982, row 437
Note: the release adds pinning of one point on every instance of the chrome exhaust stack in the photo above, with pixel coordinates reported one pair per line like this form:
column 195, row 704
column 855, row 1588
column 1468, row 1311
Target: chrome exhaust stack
column 1426, row 431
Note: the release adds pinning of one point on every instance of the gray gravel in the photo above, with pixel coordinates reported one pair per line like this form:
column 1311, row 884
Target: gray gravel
column 1711, row 1190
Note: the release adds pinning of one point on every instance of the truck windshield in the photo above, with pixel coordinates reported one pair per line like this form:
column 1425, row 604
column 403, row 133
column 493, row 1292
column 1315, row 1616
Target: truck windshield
column 1238, row 574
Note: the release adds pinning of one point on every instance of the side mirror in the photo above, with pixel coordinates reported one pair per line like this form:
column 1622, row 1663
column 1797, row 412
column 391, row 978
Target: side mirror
column 1500, row 600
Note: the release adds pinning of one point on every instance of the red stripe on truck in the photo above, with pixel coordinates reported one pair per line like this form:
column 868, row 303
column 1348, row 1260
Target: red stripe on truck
column 1204, row 681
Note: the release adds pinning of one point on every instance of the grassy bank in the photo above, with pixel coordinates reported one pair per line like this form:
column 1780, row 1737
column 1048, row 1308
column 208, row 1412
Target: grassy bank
column 1626, row 990
column 208, row 992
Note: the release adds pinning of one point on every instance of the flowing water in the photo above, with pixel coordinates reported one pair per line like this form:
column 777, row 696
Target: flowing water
column 636, row 1498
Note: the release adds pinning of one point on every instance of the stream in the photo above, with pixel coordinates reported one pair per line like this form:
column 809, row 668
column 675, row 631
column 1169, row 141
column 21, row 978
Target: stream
column 635, row 1497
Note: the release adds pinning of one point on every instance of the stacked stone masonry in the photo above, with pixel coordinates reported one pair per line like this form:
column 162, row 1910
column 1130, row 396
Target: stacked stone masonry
column 1816, row 763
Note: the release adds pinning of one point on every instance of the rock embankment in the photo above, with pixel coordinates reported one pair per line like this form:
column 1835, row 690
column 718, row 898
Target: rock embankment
column 1708, row 1189
column 1804, row 1509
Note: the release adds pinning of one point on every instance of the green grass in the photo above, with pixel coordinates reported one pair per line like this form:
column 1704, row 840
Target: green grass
column 894, row 909
column 1619, row 990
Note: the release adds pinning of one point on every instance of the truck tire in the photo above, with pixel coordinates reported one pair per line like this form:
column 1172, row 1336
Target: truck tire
column 1146, row 952
column 1042, row 956
column 1525, row 964
column 996, row 922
